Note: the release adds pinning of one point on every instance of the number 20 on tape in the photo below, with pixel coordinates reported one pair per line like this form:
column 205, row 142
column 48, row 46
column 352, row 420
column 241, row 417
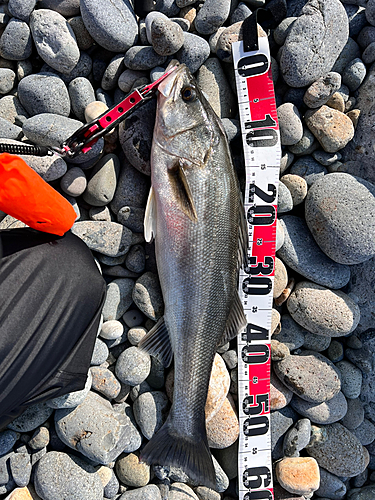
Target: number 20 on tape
column 262, row 152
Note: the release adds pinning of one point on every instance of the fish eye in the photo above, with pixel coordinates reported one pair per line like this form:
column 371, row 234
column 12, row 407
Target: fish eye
column 188, row 94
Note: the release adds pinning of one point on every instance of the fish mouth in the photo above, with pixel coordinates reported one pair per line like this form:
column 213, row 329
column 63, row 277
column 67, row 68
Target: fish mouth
column 168, row 86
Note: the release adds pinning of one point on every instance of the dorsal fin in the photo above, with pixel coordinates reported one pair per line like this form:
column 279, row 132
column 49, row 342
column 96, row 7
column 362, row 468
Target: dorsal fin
column 236, row 321
column 158, row 343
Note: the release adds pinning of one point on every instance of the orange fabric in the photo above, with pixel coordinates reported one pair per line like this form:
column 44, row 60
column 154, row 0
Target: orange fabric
column 27, row 197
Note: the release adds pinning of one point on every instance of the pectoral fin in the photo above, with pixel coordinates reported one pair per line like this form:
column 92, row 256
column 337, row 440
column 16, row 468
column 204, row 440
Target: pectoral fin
column 181, row 190
column 157, row 343
column 150, row 217
column 236, row 321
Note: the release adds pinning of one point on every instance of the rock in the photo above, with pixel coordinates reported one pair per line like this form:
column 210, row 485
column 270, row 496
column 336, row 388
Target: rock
column 12, row 110
column 148, row 297
column 362, row 285
column 135, row 135
column 71, row 399
column 100, row 353
column 7, row 80
column 336, row 101
column 306, row 57
column 291, row 129
column 311, row 306
column 101, row 187
column 140, row 57
column 94, row 429
column 150, row 412
column 136, row 259
column 194, row 52
column 149, row 492
column 212, row 16
column 7, row 440
column 279, row 350
column 297, row 187
column 351, row 379
column 16, row 41
column 59, row 476
column 31, row 418
column 330, row 485
column 10, row 131
column 280, row 395
column 325, row 413
column 327, row 450
column 368, row 55
column 132, row 472
column 298, row 475
column 111, row 329
column 44, row 93
column 40, row 439
column 74, row 182
column 20, row 467
column 223, row 428
column 322, row 89
column 335, row 220
column 284, row 199
column 133, row 366
column 365, row 432
column 291, row 334
column 332, row 128
column 108, row 238
column 118, row 299
column 113, row 26
column 83, row 37
column 167, row 37
column 54, row 40
column 81, row 94
column 309, row 169
column 316, row 342
column 354, row 74
column 22, row 494
column 281, row 421
column 297, row 438
column 301, row 253
column 306, row 145
column 213, row 82
column 282, row 30
column 281, row 278
column 133, row 318
column 105, row 382
column 66, row 8
column 299, row 374
column 49, row 129
column 365, row 493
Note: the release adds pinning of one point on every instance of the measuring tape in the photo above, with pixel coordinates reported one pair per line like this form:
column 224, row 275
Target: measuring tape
column 262, row 151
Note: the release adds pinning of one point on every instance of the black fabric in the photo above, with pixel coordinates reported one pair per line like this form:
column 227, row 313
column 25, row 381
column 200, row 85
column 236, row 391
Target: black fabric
column 51, row 297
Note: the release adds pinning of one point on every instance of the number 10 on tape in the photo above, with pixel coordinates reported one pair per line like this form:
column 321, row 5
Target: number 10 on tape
column 262, row 152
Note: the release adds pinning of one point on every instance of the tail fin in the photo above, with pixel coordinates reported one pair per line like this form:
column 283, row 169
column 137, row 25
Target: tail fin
column 167, row 447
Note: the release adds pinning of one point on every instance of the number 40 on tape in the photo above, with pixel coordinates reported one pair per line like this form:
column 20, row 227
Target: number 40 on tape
column 262, row 152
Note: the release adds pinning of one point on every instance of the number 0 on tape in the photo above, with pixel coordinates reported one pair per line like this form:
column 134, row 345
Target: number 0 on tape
column 262, row 152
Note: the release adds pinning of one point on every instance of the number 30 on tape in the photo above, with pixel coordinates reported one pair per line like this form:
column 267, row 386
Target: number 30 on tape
column 262, row 152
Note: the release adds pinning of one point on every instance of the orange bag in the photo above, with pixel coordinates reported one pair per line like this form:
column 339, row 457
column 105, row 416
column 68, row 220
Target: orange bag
column 27, row 197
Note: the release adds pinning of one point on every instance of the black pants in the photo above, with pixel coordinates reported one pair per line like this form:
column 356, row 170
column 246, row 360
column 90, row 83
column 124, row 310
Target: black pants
column 51, row 297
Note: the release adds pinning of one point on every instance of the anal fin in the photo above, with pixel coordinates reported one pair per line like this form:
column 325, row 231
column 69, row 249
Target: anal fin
column 158, row 344
column 236, row 321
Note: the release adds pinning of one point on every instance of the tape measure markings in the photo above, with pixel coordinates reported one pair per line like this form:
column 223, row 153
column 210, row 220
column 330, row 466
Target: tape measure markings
column 261, row 143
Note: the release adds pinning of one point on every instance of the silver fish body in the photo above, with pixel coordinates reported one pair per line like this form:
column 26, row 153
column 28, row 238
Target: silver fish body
column 198, row 222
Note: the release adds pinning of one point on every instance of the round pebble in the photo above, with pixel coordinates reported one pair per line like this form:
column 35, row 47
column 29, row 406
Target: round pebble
column 101, row 186
column 306, row 145
column 223, row 428
column 211, row 16
column 330, row 485
column 135, row 335
column 166, row 36
column 291, row 129
column 365, row 432
column 31, row 418
column 7, row 80
column 136, row 259
column 111, row 329
column 16, row 41
column 284, row 199
column 81, row 94
column 148, row 492
column 105, row 382
column 297, row 187
column 351, row 379
column 40, row 439
column 322, row 89
column 309, row 169
column 73, row 182
column 297, row 438
column 298, row 475
column 148, row 297
column 316, row 342
column 281, row 278
column 292, row 334
column 132, row 472
column 150, row 412
column 44, row 93
column 327, row 412
column 280, row 395
column 133, row 366
column 354, row 74
column 194, row 52
column 100, row 353
column 133, row 318
column 118, row 299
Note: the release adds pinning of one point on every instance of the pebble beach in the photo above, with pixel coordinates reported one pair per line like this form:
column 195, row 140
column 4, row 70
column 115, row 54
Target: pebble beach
column 65, row 62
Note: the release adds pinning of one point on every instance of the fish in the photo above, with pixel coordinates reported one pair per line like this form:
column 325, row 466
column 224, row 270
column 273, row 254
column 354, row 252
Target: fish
column 195, row 214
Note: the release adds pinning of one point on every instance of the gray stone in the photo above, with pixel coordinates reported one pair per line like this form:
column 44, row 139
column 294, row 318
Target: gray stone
column 301, row 253
column 21, row 9
column 100, row 213
column 309, row 169
column 365, row 432
column 73, row 182
column 20, row 467
column 336, row 221
column 100, row 353
column 104, row 382
column 60, row 476
column 112, row 73
column 281, row 32
column 212, row 16
column 311, row 306
column 297, row 187
column 54, row 39
column 9, row 131
column 368, row 55
column 355, row 414
column 284, row 199
column 133, row 366
column 112, row 25
column 111, row 329
column 167, row 37
column 156, row 378
column 327, row 412
column 148, row 492
column 357, row 18
column 300, row 375
column 71, row 399
column 314, row 42
column 44, row 93
column 103, row 180
column 133, row 318
column 12, row 110
column 327, row 449
column 118, row 298
column 306, row 145
column 7, row 80
column 40, row 439
column 66, row 8
column 362, row 284
column 7, row 440
column 365, row 493
column 150, row 412
column 136, row 259
column 280, row 236
column 297, row 438
column 140, row 57
column 135, row 136
column 194, row 52
column 128, row 77
column 326, row 159
column 148, row 297
column 135, row 335
column 292, row 334
column 81, row 94
column 94, row 429
column 291, row 129
column 281, row 421
column 240, row 13
column 108, row 238
column 354, row 74
column 350, row 51
column 330, row 486
column 31, row 418
column 351, row 379
column 83, row 37
column 213, row 82
column 315, row 342
column 16, row 41
column 48, row 129
column 150, row 18
column 286, row 160
column 82, row 68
